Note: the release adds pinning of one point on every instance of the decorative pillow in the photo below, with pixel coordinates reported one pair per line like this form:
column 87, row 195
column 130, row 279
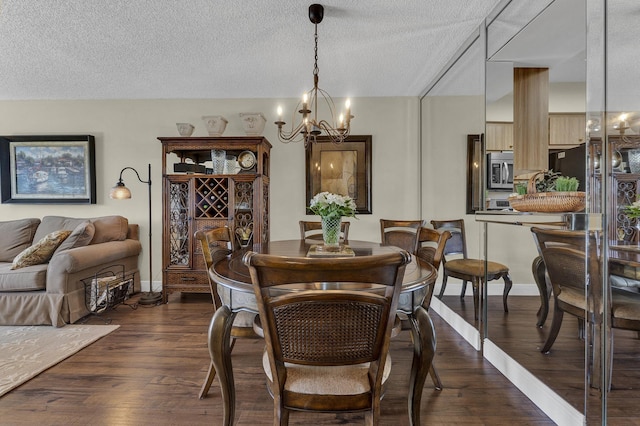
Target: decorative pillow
column 16, row 235
column 41, row 251
column 80, row 237
column 56, row 223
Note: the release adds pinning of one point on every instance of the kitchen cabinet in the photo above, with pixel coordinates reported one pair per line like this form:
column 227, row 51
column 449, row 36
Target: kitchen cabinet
column 567, row 129
column 198, row 199
column 499, row 136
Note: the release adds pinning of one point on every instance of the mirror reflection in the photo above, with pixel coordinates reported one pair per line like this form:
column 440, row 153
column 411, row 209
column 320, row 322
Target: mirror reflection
column 537, row 50
column 536, row 103
column 453, row 132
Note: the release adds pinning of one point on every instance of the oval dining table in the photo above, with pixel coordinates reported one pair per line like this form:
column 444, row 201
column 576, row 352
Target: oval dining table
column 236, row 293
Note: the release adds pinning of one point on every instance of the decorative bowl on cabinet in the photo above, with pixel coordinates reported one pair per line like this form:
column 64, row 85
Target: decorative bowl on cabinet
column 185, row 129
column 253, row 123
column 215, row 124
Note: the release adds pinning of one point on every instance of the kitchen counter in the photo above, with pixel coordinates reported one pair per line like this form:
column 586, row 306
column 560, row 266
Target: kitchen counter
column 574, row 221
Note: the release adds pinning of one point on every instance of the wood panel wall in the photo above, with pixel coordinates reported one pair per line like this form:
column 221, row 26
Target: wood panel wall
column 530, row 120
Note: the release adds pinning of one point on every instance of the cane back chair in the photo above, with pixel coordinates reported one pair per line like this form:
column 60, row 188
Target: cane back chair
column 327, row 348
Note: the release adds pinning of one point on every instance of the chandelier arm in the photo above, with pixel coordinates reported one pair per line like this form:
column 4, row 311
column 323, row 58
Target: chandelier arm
column 337, row 136
column 291, row 136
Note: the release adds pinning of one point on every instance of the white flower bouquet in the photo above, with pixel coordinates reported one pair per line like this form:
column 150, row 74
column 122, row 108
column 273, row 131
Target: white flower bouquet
column 332, row 206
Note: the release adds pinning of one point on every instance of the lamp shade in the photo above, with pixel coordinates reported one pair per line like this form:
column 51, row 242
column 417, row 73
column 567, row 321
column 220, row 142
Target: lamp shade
column 119, row 192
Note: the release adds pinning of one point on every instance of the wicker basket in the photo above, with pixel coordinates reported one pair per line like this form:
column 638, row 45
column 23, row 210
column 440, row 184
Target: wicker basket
column 547, row 202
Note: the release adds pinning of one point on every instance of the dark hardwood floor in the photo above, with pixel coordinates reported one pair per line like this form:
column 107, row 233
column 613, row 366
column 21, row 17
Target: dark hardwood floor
column 150, row 370
column 562, row 369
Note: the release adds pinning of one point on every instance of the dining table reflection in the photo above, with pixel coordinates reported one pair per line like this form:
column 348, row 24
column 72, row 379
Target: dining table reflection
column 236, row 293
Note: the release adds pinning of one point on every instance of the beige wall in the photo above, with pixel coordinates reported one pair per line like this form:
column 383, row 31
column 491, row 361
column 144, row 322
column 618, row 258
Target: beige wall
column 126, row 134
column 446, row 122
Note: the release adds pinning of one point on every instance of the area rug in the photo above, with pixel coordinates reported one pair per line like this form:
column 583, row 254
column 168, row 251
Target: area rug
column 27, row 351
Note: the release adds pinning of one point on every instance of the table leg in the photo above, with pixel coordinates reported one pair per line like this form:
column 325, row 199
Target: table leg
column 424, row 348
column 220, row 351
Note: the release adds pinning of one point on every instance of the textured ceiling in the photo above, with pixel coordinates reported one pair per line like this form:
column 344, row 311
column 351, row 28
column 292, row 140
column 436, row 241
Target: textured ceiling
column 167, row 49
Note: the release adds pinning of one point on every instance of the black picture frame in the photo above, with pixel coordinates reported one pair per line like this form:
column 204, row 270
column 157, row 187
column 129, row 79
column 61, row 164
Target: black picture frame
column 56, row 169
column 350, row 174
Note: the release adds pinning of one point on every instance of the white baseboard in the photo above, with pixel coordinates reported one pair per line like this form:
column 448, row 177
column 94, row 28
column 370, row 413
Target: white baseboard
column 462, row 327
column 454, row 288
column 552, row 404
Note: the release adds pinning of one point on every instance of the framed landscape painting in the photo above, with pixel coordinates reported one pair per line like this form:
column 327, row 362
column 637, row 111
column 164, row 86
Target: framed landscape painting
column 48, row 169
column 343, row 169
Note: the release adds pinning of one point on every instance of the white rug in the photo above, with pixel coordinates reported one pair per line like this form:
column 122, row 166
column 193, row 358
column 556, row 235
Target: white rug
column 27, row 351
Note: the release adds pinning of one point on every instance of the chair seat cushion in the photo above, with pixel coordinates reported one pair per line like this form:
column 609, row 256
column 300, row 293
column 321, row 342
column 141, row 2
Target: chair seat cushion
column 573, row 296
column 474, row 267
column 330, row 380
column 625, row 305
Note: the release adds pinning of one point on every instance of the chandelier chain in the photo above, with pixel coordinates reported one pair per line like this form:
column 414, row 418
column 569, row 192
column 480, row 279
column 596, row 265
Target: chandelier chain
column 315, row 64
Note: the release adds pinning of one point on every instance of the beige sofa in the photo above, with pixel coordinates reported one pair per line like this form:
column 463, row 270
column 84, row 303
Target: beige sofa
column 53, row 293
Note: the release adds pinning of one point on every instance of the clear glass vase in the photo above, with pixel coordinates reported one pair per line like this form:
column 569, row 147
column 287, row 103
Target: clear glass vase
column 331, row 231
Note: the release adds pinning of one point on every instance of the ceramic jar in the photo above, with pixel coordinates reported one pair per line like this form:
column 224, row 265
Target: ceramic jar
column 253, row 123
column 185, row 129
column 215, row 124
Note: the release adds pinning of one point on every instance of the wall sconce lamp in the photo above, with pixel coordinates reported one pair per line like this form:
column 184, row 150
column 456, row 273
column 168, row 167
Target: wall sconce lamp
column 121, row 192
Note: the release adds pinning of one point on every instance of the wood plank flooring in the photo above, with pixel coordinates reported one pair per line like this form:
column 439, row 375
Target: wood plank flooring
column 150, row 370
column 563, row 368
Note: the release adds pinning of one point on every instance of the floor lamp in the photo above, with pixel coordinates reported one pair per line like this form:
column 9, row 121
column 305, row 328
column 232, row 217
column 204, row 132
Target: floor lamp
column 120, row 192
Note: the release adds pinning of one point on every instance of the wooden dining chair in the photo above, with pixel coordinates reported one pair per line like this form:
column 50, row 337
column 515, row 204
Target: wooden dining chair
column 430, row 247
column 468, row 269
column 313, row 230
column 572, row 260
column 216, row 244
column 400, row 233
column 327, row 349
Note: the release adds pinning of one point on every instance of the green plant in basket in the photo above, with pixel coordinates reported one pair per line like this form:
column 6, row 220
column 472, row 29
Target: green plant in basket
column 548, row 181
column 566, row 184
column 521, row 188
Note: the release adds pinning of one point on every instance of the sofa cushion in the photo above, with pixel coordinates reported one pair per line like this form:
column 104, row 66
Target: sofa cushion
column 41, row 251
column 50, row 224
column 15, row 236
column 110, row 228
column 30, row 278
column 79, row 237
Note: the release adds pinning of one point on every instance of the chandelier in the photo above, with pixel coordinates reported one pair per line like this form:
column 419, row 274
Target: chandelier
column 310, row 127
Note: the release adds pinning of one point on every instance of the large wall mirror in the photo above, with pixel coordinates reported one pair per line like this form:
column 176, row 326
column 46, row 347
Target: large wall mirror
column 548, row 51
column 452, row 146
column 588, row 49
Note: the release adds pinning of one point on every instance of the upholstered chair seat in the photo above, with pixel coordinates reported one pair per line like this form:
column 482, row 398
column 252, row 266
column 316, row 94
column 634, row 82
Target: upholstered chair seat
column 341, row 380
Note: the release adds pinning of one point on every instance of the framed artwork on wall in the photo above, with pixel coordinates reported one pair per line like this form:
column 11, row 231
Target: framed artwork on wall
column 54, row 169
column 343, row 169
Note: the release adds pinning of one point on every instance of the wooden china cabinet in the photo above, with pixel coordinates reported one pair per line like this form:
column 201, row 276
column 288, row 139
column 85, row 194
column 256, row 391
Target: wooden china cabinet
column 625, row 183
column 194, row 198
